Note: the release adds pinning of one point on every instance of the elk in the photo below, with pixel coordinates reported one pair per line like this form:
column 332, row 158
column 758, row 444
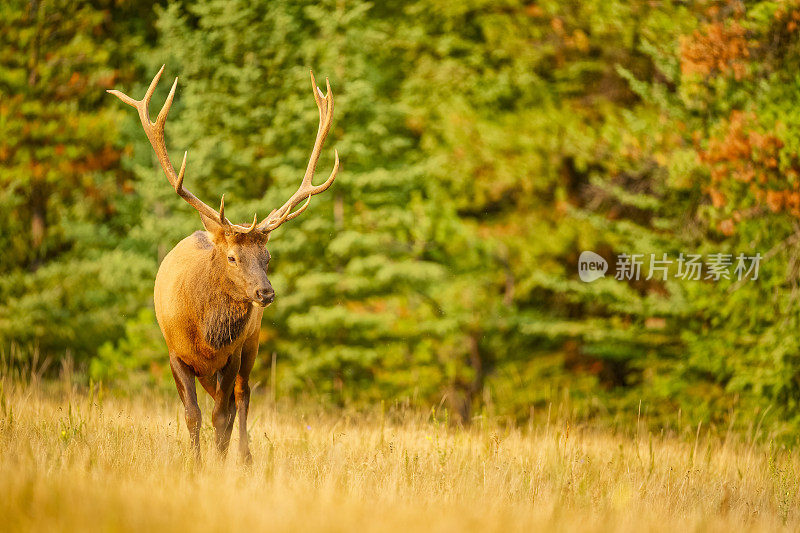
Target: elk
column 212, row 287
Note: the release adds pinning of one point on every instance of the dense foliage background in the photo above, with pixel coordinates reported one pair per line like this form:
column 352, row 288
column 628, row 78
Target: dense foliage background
column 484, row 145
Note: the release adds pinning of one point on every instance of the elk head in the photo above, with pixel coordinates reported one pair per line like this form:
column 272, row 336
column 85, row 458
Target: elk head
column 239, row 251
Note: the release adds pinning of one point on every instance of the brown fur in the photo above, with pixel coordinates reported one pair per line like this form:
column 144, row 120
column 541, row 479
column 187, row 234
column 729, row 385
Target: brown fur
column 208, row 311
column 209, row 307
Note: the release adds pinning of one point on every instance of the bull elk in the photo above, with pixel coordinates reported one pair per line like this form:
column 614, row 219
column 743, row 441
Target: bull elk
column 212, row 288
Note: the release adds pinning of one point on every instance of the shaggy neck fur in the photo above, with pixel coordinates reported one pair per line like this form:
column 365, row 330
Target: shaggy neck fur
column 223, row 324
column 223, row 318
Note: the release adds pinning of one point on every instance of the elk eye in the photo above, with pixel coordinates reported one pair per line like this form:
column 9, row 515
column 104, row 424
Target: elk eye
column 231, row 259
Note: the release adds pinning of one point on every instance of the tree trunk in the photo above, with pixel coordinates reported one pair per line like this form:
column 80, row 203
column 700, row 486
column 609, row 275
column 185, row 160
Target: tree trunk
column 463, row 404
column 38, row 197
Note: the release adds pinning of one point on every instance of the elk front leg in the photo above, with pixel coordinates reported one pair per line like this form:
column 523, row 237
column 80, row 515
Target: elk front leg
column 223, row 414
column 184, row 380
column 210, row 384
column 242, row 393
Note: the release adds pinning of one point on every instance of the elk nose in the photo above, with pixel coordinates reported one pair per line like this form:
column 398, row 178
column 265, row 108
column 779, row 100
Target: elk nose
column 265, row 296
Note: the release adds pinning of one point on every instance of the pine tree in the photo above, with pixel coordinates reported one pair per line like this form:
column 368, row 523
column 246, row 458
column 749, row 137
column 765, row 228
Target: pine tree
column 354, row 268
column 61, row 178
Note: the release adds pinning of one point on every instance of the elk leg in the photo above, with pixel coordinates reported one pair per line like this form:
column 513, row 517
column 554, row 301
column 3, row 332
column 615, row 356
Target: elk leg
column 242, row 392
column 210, row 384
column 184, row 381
column 227, row 429
column 221, row 417
column 231, row 416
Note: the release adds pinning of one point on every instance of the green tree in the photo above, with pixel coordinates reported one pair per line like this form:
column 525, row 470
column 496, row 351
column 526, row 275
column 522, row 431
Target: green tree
column 351, row 266
column 63, row 286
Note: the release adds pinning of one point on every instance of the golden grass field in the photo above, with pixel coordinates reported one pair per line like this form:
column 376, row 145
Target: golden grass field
column 80, row 462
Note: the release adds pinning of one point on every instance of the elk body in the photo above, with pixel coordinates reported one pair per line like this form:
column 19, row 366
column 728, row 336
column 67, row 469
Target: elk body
column 212, row 288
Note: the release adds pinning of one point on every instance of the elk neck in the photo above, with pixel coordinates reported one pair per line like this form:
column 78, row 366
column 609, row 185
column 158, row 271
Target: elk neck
column 222, row 316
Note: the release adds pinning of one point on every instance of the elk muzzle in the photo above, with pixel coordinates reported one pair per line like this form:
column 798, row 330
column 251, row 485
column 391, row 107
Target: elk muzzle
column 264, row 297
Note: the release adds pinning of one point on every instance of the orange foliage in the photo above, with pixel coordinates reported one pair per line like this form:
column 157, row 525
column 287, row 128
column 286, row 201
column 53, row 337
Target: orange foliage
column 790, row 18
column 716, row 48
column 534, row 11
column 749, row 156
column 717, row 198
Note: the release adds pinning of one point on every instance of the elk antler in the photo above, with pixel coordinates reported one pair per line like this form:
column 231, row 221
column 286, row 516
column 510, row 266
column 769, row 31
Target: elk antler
column 307, row 189
column 155, row 133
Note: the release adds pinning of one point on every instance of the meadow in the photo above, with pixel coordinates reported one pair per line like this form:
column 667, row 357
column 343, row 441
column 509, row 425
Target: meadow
column 89, row 460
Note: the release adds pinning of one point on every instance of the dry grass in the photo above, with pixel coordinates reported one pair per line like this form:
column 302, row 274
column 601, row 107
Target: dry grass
column 79, row 462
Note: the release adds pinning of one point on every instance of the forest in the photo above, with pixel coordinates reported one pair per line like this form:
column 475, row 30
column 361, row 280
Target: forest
column 484, row 146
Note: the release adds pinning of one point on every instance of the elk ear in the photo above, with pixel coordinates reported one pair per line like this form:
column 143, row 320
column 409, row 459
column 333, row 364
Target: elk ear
column 212, row 226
